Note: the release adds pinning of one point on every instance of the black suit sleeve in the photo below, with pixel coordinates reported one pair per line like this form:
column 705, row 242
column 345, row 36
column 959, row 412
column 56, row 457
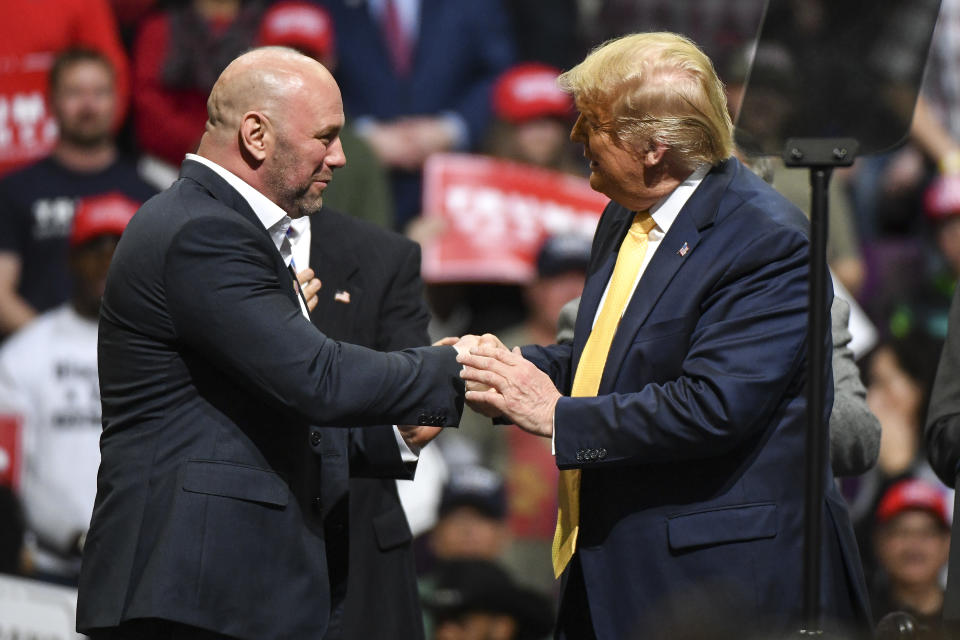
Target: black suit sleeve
column 228, row 303
column 943, row 420
column 402, row 323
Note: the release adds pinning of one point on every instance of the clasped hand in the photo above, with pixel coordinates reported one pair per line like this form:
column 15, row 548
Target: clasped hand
column 501, row 382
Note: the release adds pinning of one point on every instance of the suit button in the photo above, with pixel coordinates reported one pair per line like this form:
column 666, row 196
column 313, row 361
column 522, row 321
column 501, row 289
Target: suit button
column 315, row 438
column 602, row 453
column 423, row 419
column 579, row 455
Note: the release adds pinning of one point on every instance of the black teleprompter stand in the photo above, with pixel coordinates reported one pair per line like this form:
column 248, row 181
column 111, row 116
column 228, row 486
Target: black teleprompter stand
column 820, row 155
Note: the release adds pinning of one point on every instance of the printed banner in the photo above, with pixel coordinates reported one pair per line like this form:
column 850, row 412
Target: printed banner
column 494, row 215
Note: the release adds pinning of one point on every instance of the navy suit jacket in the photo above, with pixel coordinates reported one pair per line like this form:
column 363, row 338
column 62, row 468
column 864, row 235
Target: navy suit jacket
column 210, row 505
column 380, row 270
column 692, row 451
column 461, row 48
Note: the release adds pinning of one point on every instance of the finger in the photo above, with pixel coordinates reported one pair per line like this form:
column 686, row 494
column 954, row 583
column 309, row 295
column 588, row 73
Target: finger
column 483, row 377
column 305, row 276
column 491, row 340
column 311, row 288
column 484, row 401
column 485, row 363
column 449, row 341
column 495, row 353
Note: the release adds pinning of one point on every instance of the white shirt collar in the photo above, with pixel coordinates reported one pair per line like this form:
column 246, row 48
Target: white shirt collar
column 274, row 219
column 666, row 210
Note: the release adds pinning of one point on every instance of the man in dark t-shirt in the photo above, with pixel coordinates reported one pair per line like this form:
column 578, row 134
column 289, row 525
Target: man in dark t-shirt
column 37, row 202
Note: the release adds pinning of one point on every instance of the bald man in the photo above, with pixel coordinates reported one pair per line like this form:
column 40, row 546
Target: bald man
column 212, row 516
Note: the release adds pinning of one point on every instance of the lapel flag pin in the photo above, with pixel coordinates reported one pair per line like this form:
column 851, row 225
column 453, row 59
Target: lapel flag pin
column 682, row 251
column 342, row 296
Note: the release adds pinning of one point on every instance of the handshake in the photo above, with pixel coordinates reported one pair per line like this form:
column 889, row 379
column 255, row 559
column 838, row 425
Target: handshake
column 502, row 383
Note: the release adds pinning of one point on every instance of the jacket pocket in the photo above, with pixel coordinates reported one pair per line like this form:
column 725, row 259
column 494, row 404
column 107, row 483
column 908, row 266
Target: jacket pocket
column 738, row 523
column 232, row 480
column 391, row 529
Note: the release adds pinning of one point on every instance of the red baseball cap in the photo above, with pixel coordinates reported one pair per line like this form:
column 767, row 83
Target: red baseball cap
column 941, row 200
column 300, row 25
column 101, row 215
column 913, row 494
column 529, row 91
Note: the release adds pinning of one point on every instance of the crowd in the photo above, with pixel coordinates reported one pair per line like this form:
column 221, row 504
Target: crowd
column 101, row 100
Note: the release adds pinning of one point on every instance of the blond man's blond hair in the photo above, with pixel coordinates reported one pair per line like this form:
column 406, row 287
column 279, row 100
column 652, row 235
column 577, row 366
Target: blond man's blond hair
column 660, row 87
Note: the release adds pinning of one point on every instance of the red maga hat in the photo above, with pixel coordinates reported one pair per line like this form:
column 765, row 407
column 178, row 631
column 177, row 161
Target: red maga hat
column 529, row 91
column 300, row 25
column 913, row 494
column 102, row 215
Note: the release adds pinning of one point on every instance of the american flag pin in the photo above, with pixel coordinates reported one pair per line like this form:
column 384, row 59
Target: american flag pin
column 682, row 251
column 342, row 296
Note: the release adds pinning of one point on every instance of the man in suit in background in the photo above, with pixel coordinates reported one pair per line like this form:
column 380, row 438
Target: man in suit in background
column 942, row 434
column 209, row 520
column 678, row 413
column 416, row 78
column 371, row 295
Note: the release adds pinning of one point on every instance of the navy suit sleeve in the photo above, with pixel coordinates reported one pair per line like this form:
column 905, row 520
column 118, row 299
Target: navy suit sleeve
column 402, row 323
column 227, row 303
column 554, row 360
column 745, row 352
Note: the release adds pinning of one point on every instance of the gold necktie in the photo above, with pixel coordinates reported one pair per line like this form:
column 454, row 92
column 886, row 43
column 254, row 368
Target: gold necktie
column 586, row 380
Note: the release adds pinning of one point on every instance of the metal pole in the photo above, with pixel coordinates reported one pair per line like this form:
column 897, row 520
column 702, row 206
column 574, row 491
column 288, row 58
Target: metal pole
column 816, row 426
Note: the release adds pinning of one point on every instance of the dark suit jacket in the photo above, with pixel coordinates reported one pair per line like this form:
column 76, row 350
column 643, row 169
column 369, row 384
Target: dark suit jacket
column 462, row 46
column 692, row 451
column 380, row 270
column 209, row 497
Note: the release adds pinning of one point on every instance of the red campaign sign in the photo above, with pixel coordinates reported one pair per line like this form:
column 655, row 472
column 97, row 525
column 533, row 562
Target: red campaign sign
column 11, row 449
column 495, row 215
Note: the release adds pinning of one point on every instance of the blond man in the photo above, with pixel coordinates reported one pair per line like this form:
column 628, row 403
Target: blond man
column 678, row 413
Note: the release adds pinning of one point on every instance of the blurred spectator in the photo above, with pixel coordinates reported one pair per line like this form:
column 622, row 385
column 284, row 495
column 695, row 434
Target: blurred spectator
column 528, row 463
column 37, row 203
column 31, row 35
column 899, row 375
column 912, row 542
column 11, row 532
column 177, row 56
column 361, row 188
column 49, row 371
column 472, row 515
column 533, row 119
column 475, row 599
column 416, row 78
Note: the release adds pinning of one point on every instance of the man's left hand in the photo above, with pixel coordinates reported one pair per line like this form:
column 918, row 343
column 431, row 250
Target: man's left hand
column 518, row 390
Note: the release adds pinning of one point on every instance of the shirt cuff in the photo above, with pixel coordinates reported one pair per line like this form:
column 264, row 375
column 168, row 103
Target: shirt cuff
column 407, row 453
column 553, row 435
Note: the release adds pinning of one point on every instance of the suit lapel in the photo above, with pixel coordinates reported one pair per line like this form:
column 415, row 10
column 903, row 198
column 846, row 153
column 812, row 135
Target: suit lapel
column 336, row 265
column 230, row 197
column 658, row 274
column 596, row 281
column 697, row 214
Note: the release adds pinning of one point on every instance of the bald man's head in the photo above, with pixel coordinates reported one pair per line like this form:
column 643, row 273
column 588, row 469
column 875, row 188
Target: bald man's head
column 274, row 120
column 261, row 80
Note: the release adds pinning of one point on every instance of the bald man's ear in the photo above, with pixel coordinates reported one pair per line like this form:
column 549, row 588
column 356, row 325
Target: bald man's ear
column 254, row 136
